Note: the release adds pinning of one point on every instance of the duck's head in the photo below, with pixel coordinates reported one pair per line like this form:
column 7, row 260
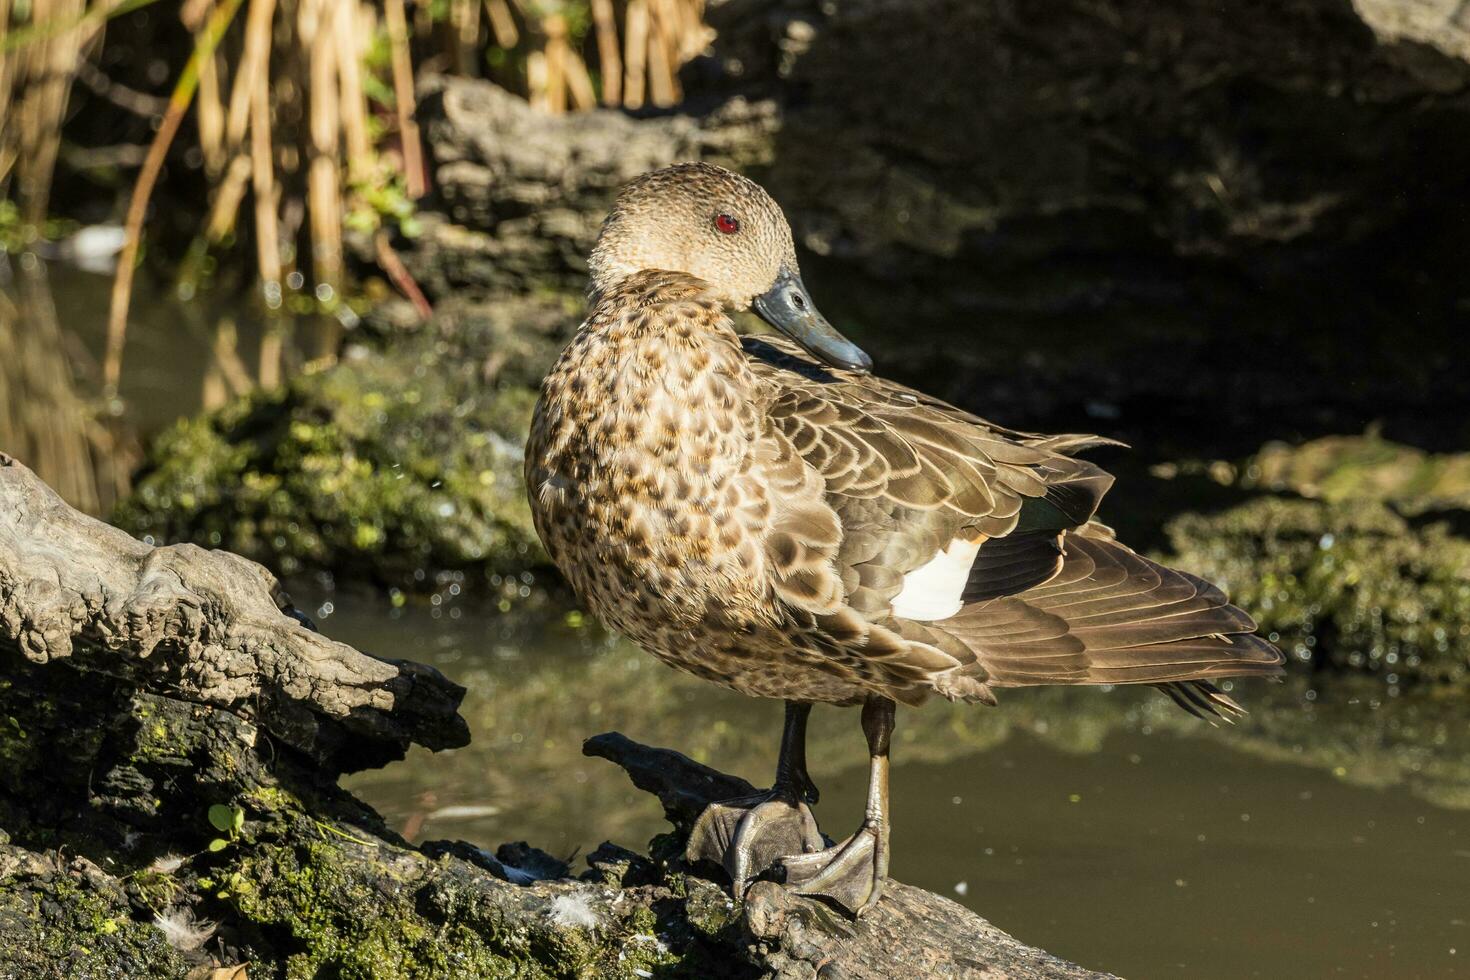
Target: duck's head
column 725, row 230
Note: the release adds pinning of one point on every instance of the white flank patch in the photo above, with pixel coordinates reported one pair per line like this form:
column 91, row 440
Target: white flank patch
column 933, row 590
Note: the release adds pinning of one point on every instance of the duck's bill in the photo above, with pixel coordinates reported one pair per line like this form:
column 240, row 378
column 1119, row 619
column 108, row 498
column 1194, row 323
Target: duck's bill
column 788, row 307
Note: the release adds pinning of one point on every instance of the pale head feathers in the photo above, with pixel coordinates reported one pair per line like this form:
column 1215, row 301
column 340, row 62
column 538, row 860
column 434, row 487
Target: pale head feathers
column 667, row 220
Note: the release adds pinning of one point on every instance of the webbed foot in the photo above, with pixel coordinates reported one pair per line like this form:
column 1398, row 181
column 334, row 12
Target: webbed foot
column 851, row 873
column 747, row 836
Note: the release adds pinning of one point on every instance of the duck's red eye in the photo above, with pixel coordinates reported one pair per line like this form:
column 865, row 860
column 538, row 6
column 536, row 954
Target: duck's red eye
column 727, row 224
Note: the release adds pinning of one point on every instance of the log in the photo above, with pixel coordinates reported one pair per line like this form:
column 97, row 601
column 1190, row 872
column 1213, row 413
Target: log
column 206, row 626
column 910, row 933
column 170, row 741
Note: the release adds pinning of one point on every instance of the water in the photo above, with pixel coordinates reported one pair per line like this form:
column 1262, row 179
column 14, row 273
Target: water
column 1318, row 838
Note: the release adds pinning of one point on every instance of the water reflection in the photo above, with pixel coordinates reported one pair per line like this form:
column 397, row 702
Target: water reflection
column 182, row 357
column 1106, row 826
column 48, row 419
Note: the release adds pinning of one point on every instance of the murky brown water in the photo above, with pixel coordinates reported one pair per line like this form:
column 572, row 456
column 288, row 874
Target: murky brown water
column 1105, row 826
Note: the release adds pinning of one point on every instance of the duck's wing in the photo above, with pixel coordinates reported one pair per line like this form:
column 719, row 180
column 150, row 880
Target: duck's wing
column 977, row 541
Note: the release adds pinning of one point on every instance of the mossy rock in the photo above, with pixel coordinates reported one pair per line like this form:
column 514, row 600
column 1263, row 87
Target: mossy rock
column 72, row 921
column 398, row 464
column 1366, row 467
column 1350, row 585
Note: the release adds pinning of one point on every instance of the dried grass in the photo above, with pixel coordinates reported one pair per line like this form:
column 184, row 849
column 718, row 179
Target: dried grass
column 284, row 113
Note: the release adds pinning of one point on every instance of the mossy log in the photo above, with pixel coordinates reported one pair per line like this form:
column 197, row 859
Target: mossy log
column 207, row 627
column 170, row 742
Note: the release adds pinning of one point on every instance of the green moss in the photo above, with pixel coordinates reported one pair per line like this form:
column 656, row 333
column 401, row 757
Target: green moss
column 346, row 910
column 76, row 924
column 1349, row 585
column 710, row 910
column 1367, row 467
column 393, row 465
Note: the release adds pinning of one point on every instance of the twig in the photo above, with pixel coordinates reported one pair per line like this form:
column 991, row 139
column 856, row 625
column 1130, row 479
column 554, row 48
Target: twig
column 178, row 105
column 399, row 275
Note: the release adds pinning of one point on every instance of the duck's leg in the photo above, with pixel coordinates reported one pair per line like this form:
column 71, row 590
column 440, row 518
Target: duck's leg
column 852, row 873
column 748, row 835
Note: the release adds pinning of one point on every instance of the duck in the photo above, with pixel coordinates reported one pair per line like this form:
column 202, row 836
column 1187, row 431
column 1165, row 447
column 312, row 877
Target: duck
column 768, row 514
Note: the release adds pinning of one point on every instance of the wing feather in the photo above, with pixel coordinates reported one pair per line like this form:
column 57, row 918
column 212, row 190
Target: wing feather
column 873, row 480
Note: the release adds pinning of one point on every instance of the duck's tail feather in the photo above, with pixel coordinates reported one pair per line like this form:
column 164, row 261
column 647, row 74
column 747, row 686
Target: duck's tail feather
column 1111, row 616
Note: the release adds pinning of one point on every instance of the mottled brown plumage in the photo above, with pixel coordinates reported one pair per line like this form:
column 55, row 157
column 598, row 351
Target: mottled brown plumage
column 796, row 530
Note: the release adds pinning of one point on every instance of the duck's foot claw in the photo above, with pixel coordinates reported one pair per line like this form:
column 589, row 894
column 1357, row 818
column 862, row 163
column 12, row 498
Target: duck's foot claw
column 747, row 836
column 851, row 873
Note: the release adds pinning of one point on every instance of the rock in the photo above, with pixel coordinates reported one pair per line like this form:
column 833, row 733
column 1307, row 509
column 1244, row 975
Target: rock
column 1339, row 468
column 1350, row 550
column 520, row 195
column 1052, row 201
column 162, row 818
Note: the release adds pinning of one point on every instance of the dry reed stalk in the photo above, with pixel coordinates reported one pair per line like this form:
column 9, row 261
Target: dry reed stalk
column 579, row 81
column 225, row 352
column 609, row 61
column 212, row 392
column 227, row 198
column 7, row 83
column 254, row 60
column 324, row 192
column 193, row 13
column 348, row 29
column 45, row 69
column 262, row 166
column 178, row 106
column 43, row 420
column 502, row 24
column 464, row 22
column 209, row 108
column 555, row 51
column 696, row 35
column 635, row 52
column 403, row 98
column 663, row 87
column 536, row 86
column 272, row 344
column 399, row 275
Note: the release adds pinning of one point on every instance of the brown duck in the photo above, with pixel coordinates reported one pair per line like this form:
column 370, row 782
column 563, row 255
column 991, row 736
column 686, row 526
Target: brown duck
column 768, row 515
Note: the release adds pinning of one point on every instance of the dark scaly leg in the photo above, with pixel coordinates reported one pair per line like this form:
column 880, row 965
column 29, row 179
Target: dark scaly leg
column 746, row 836
column 791, row 763
column 852, row 873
